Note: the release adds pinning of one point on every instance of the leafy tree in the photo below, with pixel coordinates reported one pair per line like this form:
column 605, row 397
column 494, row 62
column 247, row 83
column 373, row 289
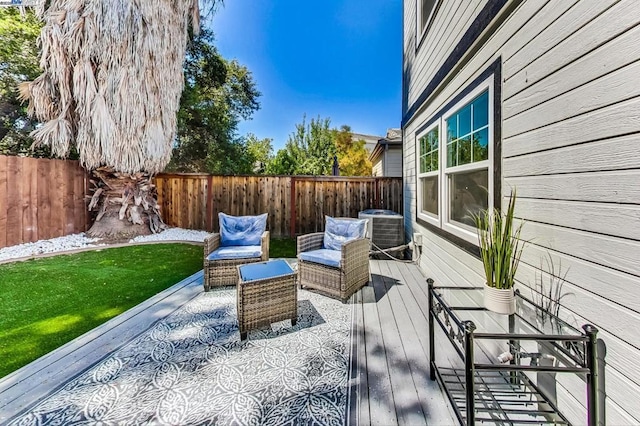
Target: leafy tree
column 282, row 164
column 217, row 95
column 353, row 157
column 18, row 63
column 260, row 151
column 309, row 150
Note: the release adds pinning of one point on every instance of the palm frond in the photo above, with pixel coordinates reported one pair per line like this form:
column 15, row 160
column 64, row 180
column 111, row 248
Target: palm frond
column 112, row 79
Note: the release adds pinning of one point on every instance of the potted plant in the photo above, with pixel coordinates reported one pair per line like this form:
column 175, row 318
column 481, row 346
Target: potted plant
column 500, row 251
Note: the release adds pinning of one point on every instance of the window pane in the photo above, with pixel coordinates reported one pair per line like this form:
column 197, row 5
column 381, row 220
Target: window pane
column 481, row 111
column 464, row 150
column 464, row 121
column 429, row 145
column 469, row 194
column 481, row 145
column 434, row 160
column 452, row 154
column 452, row 128
column 430, row 194
column 425, row 11
column 433, row 137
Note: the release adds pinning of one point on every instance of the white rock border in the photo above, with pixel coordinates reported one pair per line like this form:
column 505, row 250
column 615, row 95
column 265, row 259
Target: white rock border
column 79, row 241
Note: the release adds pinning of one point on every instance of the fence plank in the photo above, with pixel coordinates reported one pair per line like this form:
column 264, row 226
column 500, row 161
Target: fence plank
column 44, row 205
column 81, row 216
column 68, row 202
column 30, row 201
column 57, row 190
column 14, row 202
column 4, row 201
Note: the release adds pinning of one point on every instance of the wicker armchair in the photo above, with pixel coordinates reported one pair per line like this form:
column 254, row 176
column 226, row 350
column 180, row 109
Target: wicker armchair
column 222, row 272
column 338, row 282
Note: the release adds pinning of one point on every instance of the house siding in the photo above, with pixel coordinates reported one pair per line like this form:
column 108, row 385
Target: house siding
column 447, row 28
column 377, row 167
column 570, row 145
column 393, row 163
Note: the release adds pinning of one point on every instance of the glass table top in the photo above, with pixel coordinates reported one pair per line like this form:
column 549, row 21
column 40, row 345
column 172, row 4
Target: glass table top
column 531, row 317
column 263, row 270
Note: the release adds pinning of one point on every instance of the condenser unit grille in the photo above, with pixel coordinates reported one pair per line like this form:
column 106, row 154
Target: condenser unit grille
column 385, row 228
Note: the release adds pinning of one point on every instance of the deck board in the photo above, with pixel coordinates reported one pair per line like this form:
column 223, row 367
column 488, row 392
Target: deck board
column 397, row 327
column 361, row 414
column 399, row 315
column 434, row 406
column 381, row 406
column 412, row 326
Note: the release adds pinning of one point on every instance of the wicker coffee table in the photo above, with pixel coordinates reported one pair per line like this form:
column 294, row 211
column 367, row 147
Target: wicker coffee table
column 266, row 293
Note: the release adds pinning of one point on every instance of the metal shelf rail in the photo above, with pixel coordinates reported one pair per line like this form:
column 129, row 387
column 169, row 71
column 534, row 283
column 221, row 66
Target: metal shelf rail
column 504, row 393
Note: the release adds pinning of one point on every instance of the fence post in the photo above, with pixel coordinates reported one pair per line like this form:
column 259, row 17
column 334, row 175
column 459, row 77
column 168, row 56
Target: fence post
column 378, row 202
column 292, row 224
column 209, row 201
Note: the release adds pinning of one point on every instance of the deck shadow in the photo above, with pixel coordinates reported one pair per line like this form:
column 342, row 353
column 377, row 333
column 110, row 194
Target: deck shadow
column 374, row 293
column 308, row 317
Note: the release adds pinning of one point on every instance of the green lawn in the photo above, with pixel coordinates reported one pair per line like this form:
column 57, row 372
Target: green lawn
column 47, row 302
column 285, row 247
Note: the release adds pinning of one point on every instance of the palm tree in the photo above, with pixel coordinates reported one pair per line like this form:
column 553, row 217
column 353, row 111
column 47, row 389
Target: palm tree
column 110, row 88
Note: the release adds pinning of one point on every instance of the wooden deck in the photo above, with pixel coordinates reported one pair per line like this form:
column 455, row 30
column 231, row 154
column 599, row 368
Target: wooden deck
column 390, row 371
column 390, row 382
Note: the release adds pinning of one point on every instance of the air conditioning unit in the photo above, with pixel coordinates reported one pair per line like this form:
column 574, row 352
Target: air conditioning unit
column 385, row 229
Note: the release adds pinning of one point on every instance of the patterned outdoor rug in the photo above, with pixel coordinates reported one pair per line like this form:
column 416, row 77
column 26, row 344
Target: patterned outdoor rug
column 191, row 368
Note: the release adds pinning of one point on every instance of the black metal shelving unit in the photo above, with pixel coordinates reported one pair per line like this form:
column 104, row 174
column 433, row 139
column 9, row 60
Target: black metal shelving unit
column 485, row 390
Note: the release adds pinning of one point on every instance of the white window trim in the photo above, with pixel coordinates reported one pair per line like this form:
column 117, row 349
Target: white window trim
column 428, row 216
column 420, row 29
column 460, row 230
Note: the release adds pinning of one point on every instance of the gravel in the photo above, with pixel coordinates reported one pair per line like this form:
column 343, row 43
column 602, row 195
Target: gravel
column 76, row 241
column 177, row 234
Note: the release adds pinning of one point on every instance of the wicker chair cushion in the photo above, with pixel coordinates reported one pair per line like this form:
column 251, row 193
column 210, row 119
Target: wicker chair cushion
column 340, row 231
column 241, row 230
column 235, row 252
column 322, row 256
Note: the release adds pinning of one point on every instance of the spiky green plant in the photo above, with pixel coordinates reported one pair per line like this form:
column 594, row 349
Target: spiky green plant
column 500, row 245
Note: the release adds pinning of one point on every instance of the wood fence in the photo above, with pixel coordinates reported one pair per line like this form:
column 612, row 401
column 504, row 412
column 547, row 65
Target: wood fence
column 40, row 199
column 43, row 198
column 296, row 204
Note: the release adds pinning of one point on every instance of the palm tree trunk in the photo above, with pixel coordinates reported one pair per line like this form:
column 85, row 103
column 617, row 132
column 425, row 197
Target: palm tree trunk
column 126, row 205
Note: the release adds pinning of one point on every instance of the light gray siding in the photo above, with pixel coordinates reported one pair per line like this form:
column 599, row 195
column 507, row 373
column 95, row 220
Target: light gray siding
column 393, row 162
column 452, row 19
column 377, row 167
column 571, row 147
column 388, row 161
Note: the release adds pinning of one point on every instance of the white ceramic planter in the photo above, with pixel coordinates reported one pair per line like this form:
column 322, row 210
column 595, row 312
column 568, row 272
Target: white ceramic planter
column 499, row 301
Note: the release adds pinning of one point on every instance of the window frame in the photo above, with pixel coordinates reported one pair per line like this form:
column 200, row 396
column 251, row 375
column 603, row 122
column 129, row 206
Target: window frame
column 428, row 216
column 443, row 222
column 423, row 27
column 459, row 229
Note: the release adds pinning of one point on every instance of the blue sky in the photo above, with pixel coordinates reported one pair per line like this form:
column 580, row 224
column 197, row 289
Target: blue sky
column 340, row 59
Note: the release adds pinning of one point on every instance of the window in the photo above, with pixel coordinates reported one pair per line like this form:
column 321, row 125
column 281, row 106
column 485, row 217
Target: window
column 455, row 165
column 426, row 10
column 428, row 172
